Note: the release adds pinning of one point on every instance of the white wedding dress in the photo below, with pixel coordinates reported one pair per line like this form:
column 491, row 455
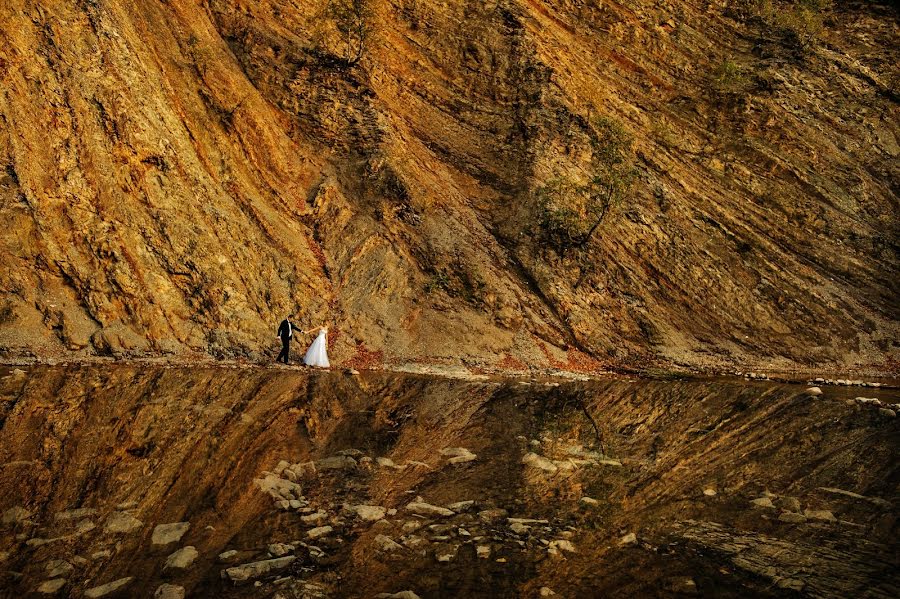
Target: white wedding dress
column 317, row 354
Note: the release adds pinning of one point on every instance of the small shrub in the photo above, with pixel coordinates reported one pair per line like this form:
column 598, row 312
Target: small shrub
column 728, row 78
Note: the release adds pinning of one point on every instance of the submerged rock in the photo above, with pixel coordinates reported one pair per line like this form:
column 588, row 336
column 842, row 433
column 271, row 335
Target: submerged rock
column 121, row 522
column 15, row 514
column 164, row 534
column 49, row 587
column 108, row 588
column 181, row 559
column 58, row 567
column 169, row 591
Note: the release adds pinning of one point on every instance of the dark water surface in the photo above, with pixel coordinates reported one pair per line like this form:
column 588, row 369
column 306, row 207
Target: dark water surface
column 730, row 488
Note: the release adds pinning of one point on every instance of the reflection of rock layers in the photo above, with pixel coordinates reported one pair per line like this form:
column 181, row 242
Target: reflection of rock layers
column 247, row 482
column 845, row 567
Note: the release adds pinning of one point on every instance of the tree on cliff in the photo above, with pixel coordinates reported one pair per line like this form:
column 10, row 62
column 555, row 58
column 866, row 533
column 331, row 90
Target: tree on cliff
column 570, row 212
column 352, row 19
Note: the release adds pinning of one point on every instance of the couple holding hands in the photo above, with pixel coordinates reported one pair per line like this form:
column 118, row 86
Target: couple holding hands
column 316, row 355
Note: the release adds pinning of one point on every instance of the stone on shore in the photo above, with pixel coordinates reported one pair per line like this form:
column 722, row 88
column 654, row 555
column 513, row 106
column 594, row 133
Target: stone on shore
column 388, row 463
column 369, row 513
column 385, row 543
column 563, row 545
column 426, row 509
column 314, row 518
column 400, row 595
column 75, row 514
column 319, row 532
column 337, row 462
column 763, row 502
column 629, row 539
column 814, row 391
column 252, row 570
column 539, row 462
column 279, row 489
column 461, row 506
column 820, row 515
column 458, row 455
column 164, row 534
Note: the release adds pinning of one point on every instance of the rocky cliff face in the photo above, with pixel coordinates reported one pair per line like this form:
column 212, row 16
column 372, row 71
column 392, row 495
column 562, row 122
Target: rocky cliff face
column 175, row 176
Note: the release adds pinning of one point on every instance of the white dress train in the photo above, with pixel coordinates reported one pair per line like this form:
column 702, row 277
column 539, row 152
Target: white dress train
column 317, row 354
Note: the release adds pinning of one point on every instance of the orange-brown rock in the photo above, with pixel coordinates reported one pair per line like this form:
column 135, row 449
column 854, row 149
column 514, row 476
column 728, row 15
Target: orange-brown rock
column 176, row 176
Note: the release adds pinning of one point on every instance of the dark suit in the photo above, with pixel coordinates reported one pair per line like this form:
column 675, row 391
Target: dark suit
column 285, row 331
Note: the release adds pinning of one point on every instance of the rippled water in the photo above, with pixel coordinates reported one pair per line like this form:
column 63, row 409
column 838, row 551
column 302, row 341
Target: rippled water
column 729, row 487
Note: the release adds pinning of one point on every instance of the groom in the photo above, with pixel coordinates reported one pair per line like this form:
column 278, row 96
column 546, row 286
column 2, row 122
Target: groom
column 285, row 332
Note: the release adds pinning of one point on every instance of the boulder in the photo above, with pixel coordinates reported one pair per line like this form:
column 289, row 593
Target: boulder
column 814, row 391
column 164, row 534
column 461, row 506
column 400, row 595
column 227, row 555
column 280, row 549
column 629, row 539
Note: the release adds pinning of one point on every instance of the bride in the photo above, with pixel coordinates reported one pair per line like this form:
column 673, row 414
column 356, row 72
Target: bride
column 317, row 354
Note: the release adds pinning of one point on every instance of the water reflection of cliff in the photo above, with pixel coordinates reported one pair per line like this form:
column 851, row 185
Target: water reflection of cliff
column 730, row 488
